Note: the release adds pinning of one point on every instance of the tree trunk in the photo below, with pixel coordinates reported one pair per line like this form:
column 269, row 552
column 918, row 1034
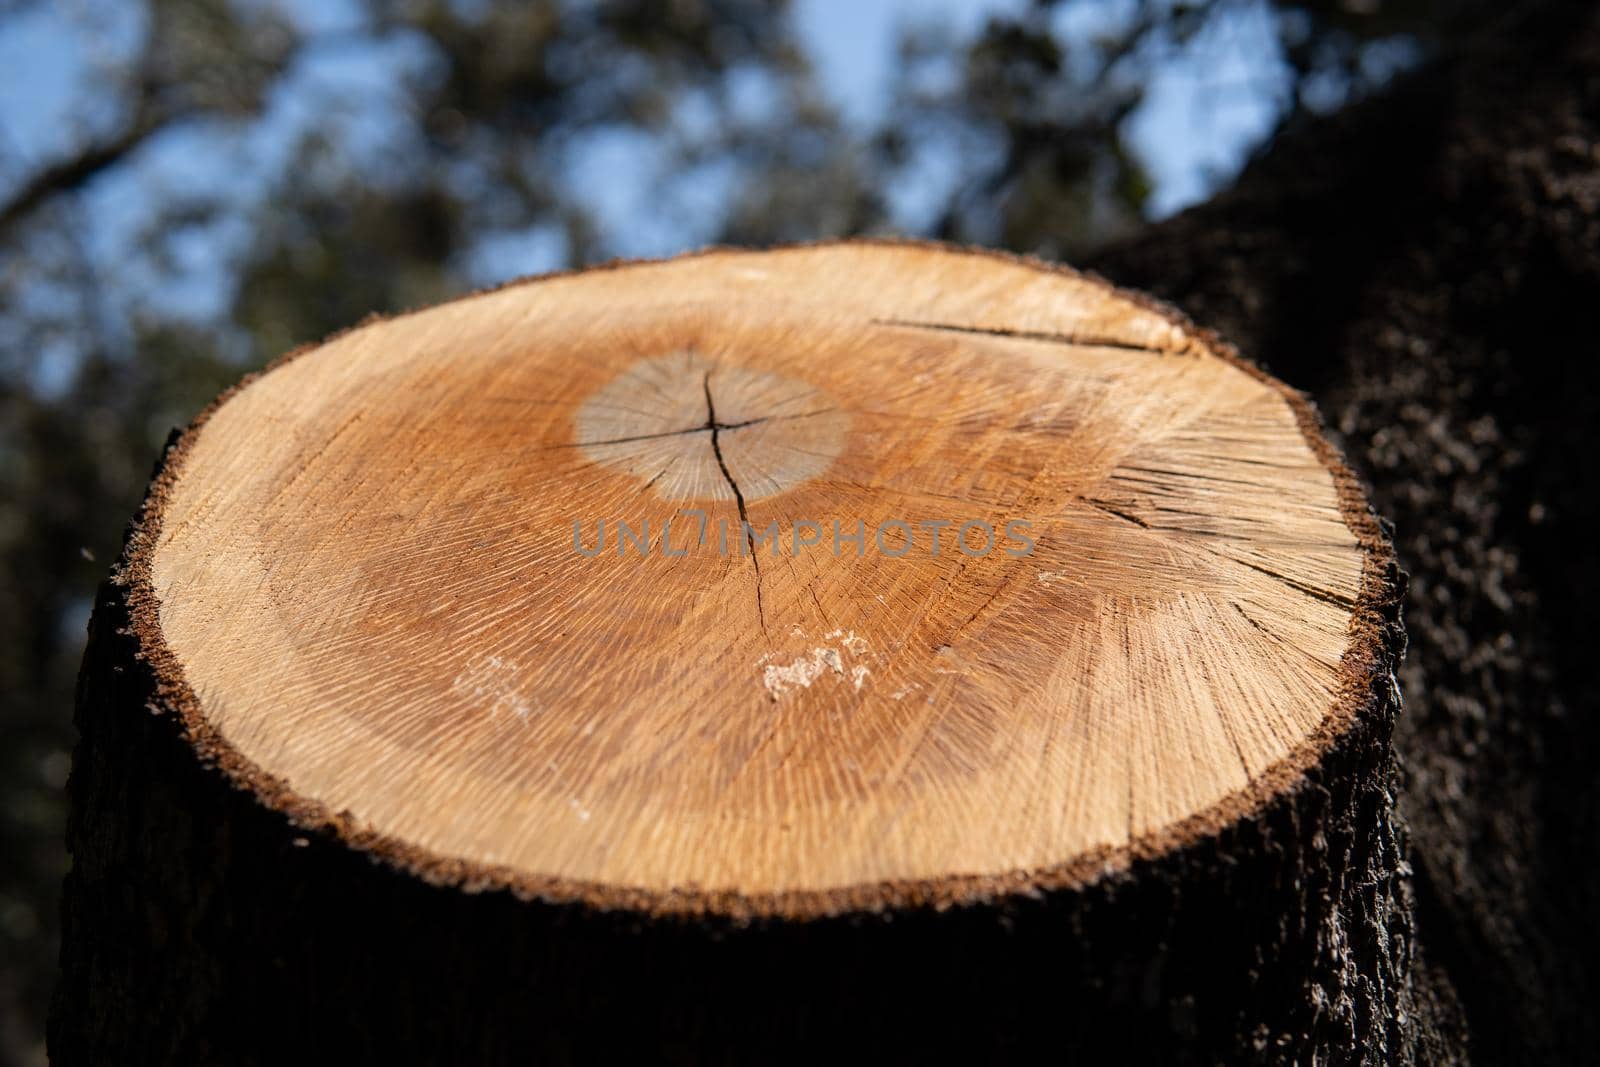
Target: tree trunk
column 870, row 647
column 1428, row 266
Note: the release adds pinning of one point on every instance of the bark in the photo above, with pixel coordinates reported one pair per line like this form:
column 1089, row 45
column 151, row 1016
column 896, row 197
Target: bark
column 1428, row 267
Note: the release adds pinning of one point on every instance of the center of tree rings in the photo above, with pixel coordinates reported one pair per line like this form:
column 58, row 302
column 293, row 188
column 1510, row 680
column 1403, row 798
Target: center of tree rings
column 695, row 428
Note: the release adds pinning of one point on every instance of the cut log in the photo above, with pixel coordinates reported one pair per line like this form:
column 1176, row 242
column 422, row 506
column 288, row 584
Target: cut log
column 720, row 659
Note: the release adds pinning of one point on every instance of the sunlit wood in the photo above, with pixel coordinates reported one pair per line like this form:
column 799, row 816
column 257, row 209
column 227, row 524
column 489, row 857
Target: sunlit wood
column 366, row 572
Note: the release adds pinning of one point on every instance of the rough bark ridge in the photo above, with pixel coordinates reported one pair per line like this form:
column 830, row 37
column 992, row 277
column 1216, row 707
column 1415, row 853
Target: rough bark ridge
column 1428, row 266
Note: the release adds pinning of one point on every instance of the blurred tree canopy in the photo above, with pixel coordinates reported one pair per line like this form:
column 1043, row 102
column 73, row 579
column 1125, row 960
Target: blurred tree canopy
column 230, row 178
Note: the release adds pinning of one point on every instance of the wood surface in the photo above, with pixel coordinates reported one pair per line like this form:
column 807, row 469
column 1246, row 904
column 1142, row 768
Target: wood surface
column 367, row 573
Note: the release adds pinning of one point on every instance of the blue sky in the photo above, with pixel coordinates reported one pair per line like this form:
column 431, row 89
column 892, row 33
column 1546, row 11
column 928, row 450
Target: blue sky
column 1207, row 106
column 1205, row 109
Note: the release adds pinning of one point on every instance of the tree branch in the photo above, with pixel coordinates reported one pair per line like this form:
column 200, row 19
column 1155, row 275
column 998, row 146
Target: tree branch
column 71, row 174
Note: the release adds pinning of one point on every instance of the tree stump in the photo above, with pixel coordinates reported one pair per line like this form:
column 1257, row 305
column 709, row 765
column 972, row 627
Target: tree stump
column 868, row 648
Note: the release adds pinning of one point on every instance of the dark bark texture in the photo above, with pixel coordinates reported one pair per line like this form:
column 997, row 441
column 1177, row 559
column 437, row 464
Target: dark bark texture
column 202, row 927
column 1428, row 267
